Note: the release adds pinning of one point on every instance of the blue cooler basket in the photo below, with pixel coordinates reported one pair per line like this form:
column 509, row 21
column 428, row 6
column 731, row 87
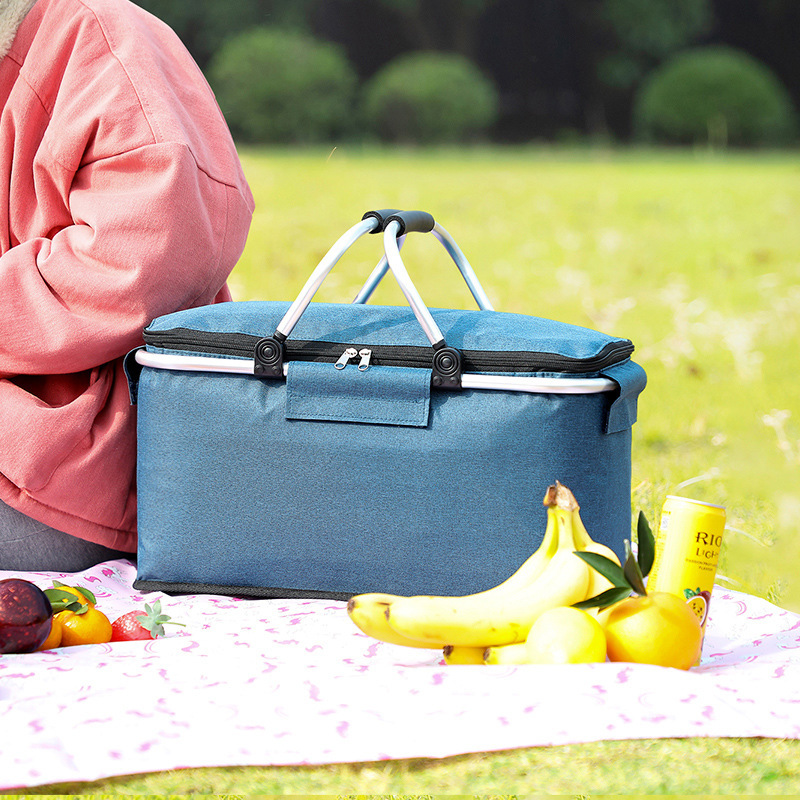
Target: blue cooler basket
column 323, row 450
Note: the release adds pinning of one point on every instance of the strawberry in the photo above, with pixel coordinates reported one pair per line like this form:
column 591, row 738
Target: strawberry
column 138, row 625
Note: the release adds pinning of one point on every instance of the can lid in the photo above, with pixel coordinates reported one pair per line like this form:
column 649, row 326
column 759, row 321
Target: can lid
column 690, row 500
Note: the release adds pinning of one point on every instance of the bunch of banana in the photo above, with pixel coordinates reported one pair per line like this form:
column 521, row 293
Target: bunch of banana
column 466, row 626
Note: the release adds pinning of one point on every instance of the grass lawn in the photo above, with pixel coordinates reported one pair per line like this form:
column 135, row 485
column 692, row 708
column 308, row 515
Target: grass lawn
column 695, row 256
column 696, row 767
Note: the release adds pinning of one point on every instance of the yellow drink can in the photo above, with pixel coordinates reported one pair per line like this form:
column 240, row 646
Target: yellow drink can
column 687, row 551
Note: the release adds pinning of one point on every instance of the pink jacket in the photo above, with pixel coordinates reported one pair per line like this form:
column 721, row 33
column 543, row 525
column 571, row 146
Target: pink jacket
column 121, row 198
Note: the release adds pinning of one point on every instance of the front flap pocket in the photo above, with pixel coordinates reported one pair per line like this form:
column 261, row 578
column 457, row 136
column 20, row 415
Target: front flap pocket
column 376, row 395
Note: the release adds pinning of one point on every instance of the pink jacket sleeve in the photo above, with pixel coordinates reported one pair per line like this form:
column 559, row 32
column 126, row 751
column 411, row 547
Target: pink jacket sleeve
column 122, row 198
column 150, row 233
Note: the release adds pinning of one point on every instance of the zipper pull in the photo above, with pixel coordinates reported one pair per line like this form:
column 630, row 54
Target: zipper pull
column 365, row 357
column 351, row 352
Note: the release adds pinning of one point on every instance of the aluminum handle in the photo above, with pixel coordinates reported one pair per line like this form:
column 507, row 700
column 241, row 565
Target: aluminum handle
column 340, row 247
column 375, row 277
column 454, row 251
column 398, row 269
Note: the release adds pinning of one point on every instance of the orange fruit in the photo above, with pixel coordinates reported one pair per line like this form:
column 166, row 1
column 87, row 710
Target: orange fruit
column 566, row 635
column 91, row 627
column 76, row 592
column 658, row 628
column 53, row 639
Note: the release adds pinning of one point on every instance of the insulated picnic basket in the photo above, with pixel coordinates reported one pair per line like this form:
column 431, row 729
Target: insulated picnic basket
column 312, row 449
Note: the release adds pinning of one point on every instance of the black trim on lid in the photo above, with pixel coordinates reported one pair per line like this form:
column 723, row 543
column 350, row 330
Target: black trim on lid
column 242, row 345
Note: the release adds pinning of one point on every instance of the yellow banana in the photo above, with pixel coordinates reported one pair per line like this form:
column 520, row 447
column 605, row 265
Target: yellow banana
column 536, row 563
column 368, row 613
column 506, row 654
column 597, row 583
column 367, row 610
column 454, row 654
column 499, row 617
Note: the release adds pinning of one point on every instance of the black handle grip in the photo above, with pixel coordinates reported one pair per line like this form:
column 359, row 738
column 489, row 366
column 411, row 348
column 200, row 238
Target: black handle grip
column 381, row 216
column 411, row 221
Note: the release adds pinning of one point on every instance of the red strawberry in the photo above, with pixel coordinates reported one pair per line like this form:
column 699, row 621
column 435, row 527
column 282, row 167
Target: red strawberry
column 137, row 625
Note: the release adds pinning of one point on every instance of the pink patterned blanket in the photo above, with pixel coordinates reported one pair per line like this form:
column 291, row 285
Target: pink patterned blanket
column 269, row 682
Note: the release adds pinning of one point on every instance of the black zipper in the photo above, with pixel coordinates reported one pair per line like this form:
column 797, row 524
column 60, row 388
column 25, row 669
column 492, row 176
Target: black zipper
column 243, row 344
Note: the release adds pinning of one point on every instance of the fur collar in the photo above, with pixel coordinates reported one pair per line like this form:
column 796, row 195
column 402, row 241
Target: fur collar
column 12, row 12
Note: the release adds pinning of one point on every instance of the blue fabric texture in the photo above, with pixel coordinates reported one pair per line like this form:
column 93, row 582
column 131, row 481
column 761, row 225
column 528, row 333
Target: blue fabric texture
column 378, row 395
column 348, row 481
column 370, row 325
column 232, row 493
column 632, row 380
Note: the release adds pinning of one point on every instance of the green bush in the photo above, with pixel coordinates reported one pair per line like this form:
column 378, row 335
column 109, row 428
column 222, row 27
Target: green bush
column 717, row 95
column 429, row 98
column 277, row 86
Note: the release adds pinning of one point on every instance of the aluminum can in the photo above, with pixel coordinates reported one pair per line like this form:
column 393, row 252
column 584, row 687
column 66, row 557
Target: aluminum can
column 687, row 551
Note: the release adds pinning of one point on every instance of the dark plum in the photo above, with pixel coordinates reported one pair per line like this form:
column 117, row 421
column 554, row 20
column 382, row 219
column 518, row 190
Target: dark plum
column 25, row 616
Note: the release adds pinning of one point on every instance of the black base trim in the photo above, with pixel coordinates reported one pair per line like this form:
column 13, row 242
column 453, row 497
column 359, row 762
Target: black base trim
column 262, row 592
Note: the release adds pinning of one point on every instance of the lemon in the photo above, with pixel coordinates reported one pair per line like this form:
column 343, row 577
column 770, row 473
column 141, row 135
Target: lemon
column 566, row 635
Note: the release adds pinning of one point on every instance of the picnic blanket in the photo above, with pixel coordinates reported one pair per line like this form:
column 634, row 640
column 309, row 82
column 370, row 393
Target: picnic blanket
column 278, row 682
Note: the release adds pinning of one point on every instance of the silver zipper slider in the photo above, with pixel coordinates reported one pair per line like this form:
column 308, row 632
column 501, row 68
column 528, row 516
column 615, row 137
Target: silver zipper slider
column 351, row 352
column 365, row 354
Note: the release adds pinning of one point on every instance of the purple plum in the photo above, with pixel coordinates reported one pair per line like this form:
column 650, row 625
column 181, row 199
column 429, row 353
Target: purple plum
column 25, row 616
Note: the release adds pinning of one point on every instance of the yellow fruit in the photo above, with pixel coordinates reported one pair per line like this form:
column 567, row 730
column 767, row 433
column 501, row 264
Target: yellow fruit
column 455, row 654
column 368, row 612
column 566, row 635
column 91, row 627
column 53, row 639
column 659, row 628
column 601, row 614
column 506, row 654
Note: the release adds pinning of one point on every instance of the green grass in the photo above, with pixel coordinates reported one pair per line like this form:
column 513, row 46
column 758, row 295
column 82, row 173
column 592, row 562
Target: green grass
column 695, row 256
column 650, row 767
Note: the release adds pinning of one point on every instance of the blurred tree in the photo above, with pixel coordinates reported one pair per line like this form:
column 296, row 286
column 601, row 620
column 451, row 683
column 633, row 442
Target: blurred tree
column 716, row 95
column 767, row 29
column 620, row 41
column 303, row 92
column 429, row 97
column 560, row 66
column 647, row 31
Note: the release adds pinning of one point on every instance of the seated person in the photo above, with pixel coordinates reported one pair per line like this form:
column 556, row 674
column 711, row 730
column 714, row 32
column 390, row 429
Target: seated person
column 122, row 199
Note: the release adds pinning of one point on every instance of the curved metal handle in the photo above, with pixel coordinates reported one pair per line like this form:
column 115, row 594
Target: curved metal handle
column 454, row 251
column 446, row 373
column 398, row 268
column 343, row 243
column 371, row 222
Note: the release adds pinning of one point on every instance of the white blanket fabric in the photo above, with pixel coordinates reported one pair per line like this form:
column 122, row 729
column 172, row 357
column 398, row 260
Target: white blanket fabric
column 269, row 682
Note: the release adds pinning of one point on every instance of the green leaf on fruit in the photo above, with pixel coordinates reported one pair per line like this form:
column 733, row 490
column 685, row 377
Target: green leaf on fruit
column 632, row 572
column 153, row 620
column 87, row 593
column 628, row 578
column 606, row 598
column 645, row 545
column 65, row 601
column 606, row 567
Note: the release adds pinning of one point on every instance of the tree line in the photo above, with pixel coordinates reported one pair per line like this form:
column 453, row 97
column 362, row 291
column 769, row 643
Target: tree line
column 560, row 68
